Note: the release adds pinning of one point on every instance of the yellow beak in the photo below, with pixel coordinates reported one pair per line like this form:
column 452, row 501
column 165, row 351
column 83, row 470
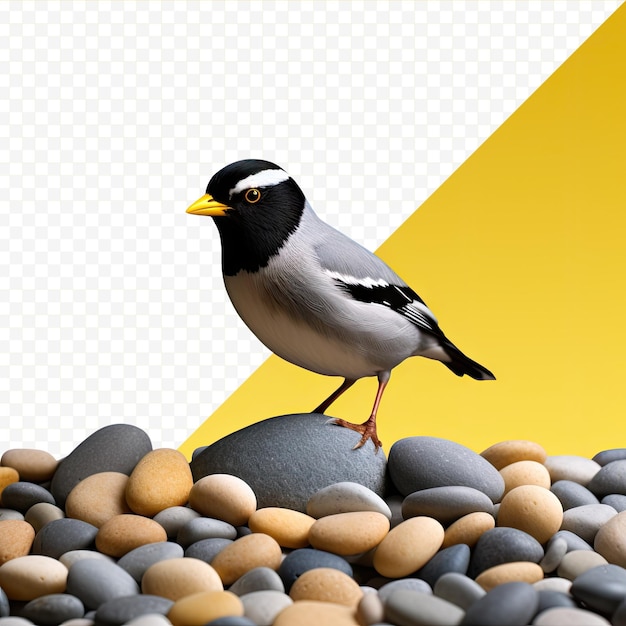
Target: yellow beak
column 207, row 206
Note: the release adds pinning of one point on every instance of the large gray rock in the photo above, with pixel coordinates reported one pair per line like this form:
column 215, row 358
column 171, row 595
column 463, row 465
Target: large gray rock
column 287, row 459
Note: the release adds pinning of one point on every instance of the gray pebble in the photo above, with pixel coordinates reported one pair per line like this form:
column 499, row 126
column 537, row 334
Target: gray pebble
column 21, row 495
column 137, row 561
column 452, row 559
column 41, row 513
column 458, row 589
column 406, row 584
column 5, row 609
column 394, row 502
column 231, row 621
column 345, row 497
column 586, row 520
column 572, row 494
column 62, row 535
column 417, row 463
column 286, row 459
column 553, row 599
column 69, row 558
column 262, row 607
column 207, row 549
column 616, row 500
column 517, row 600
column 608, row 456
column 570, row 467
column 120, row 611
column 412, row 608
column 95, row 582
column 570, row 616
column 574, row 542
column 15, row 621
column 10, row 514
column 53, row 609
column 610, row 479
column 446, row 504
column 174, row 518
column 576, row 562
column 601, row 588
column 555, row 551
column 258, row 579
column 205, row 528
column 305, row 559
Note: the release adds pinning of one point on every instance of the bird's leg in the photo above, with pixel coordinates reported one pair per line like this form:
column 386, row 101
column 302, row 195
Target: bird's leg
column 368, row 428
column 345, row 385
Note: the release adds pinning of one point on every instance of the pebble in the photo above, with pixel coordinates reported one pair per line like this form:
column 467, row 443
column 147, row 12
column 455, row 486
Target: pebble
column 314, row 613
column 31, row 576
column 223, row 497
column 41, row 513
column 69, row 558
column 574, row 542
column 518, row 571
column 414, row 609
column 572, row 494
column 533, row 509
column 123, row 533
column 199, row 608
column 453, row 559
column 555, row 551
column 62, row 535
column 326, row 584
column 267, row 455
column 601, row 588
column 6, row 514
column 517, row 601
column 262, row 607
column 611, row 479
column 525, row 473
column 417, row 463
column 304, row 559
column 5, row 608
column 506, row 452
column 554, row 583
column 468, row 529
column 207, row 549
column 16, row 539
column 570, row 616
column 345, row 497
column 458, row 589
column 160, row 480
column 574, row 563
column 552, row 599
column 53, row 608
column 617, row 501
column 22, row 495
column 35, row 466
column 98, row 498
column 122, row 610
column 349, row 533
column 177, row 578
column 585, row 521
column 608, row 456
column 610, row 540
column 199, row 528
column 230, row 621
column 570, row 467
column 370, row 610
column 446, row 504
column 411, row 584
column 407, row 547
column 138, row 560
column 7, row 476
column 174, row 518
column 289, row 528
column 258, row 579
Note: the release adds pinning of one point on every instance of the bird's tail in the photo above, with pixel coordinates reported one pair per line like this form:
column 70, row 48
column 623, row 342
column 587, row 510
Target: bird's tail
column 461, row 364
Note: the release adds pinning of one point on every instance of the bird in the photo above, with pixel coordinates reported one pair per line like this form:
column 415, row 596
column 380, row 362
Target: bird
column 312, row 295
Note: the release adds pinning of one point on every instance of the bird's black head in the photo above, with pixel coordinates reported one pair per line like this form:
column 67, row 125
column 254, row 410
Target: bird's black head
column 256, row 207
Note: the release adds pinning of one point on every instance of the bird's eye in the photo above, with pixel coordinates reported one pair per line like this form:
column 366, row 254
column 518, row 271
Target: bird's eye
column 253, row 195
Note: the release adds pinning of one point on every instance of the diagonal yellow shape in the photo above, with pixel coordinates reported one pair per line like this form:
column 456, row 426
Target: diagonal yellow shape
column 521, row 254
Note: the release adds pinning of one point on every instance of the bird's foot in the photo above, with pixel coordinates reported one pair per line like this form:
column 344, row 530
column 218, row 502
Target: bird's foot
column 366, row 429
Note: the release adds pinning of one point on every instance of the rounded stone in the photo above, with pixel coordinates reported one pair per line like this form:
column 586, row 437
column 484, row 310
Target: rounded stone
column 31, row 576
column 458, row 589
column 224, row 497
column 412, row 584
column 202, row 607
column 5, row 608
column 608, row 456
column 42, row 513
column 572, row 494
column 453, row 559
column 230, row 621
column 138, row 560
column 200, row 528
column 519, row 571
column 571, row 616
column 610, row 540
column 411, row 607
column 6, row 514
column 506, row 452
column 286, row 459
column 407, row 547
column 123, row 533
column 417, row 463
column 160, row 480
column 174, row 518
column 370, row 610
column 289, row 528
column 177, row 578
column 554, row 583
column 535, row 510
column 616, row 500
column 446, row 504
column 326, row 584
column 207, row 549
column 115, row 448
column 517, row 600
column 69, row 558
column 98, row 498
column 556, row 549
column 245, row 554
column 551, row 599
column 258, row 579
column 304, row 559
column 610, row 479
column 585, row 521
column 35, row 466
column 62, row 535
column 570, row 467
column 576, row 562
column 54, row 608
column 345, row 497
column 7, row 476
column 16, row 539
column 525, row 473
column 601, row 588
column 468, row 529
column 574, row 542
column 120, row 611
column 314, row 613
column 151, row 619
column 22, row 495
column 349, row 533
column 262, row 607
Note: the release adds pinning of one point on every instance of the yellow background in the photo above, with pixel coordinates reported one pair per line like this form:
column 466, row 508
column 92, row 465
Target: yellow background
column 521, row 255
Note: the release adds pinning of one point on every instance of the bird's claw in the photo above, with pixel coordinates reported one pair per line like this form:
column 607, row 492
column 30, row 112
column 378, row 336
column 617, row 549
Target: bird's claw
column 366, row 429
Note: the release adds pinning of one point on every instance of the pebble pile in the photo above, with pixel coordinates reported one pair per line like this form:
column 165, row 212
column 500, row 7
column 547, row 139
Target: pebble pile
column 121, row 533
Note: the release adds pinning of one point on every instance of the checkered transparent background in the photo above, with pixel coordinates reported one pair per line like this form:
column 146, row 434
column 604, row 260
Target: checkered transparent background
column 113, row 116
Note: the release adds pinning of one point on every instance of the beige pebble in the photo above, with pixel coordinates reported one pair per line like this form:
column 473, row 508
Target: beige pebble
column 28, row 577
column 578, row 469
column 8, row 475
column 161, row 479
column 370, row 609
column 518, row 571
column 246, row 553
column 468, row 529
column 312, row 613
column 124, row 533
column 408, row 546
column 533, row 509
column 98, row 498
column 326, row 584
column 35, row 466
column 506, row 452
column 554, row 583
column 289, row 528
column 176, row 578
column 16, row 539
column 558, row 616
column 576, row 562
column 224, row 497
column 42, row 513
column 525, row 473
column 199, row 608
column 351, row 533
column 610, row 540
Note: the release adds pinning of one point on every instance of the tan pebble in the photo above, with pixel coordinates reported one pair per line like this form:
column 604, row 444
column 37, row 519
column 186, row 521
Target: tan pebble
column 525, row 473
column 8, row 475
column 176, row 578
column 224, row 497
column 34, row 466
column 124, row 533
column 16, row 539
column 312, row 613
column 408, row 547
column 289, row 528
column 199, row 608
column 468, row 529
column 370, row 609
column 517, row 571
column 506, row 452
column 98, row 498
column 246, row 553
column 610, row 540
column 42, row 513
column 349, row 533
column 326, row 584
column 28, row 577
column 535, row 510
column 576, row 562
column 161, row 479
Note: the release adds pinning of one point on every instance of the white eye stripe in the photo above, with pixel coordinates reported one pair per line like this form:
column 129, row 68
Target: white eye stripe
column 264, row 178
